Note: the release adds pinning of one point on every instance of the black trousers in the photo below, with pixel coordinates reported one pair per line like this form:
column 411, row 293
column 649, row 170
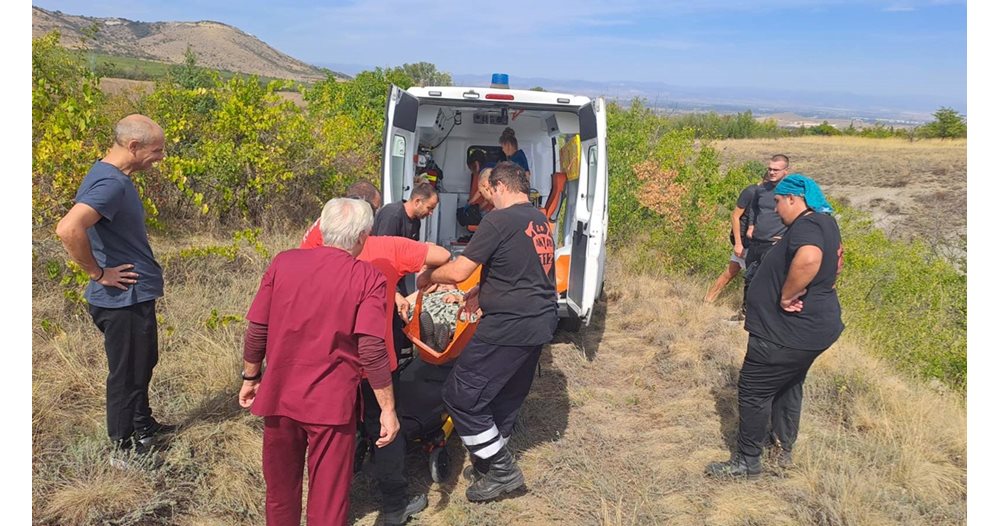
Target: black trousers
column 485, row 390
column 756, row 250
column 770, row 392
column 390, row 460
column 130, row 342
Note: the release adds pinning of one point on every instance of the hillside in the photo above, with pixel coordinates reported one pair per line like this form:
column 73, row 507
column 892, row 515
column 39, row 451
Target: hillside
column 217, row 45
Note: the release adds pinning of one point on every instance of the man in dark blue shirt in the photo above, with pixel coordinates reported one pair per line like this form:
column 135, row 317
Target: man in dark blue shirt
column 105, row 233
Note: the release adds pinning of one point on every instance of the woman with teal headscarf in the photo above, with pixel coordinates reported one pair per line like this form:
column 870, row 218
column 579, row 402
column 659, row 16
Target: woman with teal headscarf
column 800, row 185
column 793, row 315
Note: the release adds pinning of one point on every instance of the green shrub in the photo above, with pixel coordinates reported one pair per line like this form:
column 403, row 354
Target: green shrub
column 65, row 116
column 904, row 302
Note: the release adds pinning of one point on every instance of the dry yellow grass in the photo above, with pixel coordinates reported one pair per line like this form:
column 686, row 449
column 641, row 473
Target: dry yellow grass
column 617, row 429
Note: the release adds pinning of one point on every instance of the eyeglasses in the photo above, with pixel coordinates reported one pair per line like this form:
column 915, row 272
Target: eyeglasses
column 776, row 169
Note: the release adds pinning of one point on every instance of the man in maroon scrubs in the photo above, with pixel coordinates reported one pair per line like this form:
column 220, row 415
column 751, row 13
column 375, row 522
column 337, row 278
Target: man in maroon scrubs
column 394, row 257
column 318, row 319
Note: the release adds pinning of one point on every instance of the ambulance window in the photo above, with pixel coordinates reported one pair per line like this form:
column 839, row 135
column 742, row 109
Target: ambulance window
column 397, row 167
column 591, row 176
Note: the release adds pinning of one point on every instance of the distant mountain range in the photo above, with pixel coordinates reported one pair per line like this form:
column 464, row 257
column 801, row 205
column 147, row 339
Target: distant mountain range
column 224, row 47
column 787, row 105
column 808, row 104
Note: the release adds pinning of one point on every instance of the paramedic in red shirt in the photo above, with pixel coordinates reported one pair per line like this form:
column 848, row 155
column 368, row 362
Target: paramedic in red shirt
column 318, row 319
column 394, row 257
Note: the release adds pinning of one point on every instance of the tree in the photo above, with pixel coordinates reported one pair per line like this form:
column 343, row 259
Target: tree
column 189, row 75
column 424, row 74
column 947, row 124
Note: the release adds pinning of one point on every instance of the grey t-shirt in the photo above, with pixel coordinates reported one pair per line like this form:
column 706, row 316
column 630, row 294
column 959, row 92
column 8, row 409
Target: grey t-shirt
column 119, row 237
column 767, row 223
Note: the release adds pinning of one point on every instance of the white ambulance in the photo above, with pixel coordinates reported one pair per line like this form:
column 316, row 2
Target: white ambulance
column 433, row 131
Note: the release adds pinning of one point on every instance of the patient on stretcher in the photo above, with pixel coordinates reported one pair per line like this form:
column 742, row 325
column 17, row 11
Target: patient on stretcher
column 438, row 314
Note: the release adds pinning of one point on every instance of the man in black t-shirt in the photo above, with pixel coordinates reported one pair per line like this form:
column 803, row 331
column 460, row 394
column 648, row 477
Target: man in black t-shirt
column 402, row 218
column 742, row 227
column 767, row 226
column 793, row 315
column 516, row 292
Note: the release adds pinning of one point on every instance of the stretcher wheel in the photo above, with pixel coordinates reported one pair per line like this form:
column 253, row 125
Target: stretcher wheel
column 439, row 463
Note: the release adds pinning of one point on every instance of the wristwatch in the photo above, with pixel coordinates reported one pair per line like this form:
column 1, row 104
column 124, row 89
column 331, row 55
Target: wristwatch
column 253, row 378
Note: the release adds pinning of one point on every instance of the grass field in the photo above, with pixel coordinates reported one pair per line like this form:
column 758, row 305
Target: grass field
column 118, row 67
column 617, row 429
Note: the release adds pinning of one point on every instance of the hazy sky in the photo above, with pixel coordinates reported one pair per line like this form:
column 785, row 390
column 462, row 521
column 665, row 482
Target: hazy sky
column 868, row 47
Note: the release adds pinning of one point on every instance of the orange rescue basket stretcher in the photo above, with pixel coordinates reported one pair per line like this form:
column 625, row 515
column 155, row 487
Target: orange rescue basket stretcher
column 464, row 329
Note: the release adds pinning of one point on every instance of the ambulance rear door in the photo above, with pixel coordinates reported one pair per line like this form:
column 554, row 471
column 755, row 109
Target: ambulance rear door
column 590, row 224
column 400, row 144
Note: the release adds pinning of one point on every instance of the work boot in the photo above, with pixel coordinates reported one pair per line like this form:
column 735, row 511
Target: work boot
column 402, row 514
column 783, row 457
column 476, row 470
column 502, row 477
column 739, row 465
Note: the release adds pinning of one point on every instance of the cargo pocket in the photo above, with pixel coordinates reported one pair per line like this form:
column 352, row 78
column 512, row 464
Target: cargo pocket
column 464, row 389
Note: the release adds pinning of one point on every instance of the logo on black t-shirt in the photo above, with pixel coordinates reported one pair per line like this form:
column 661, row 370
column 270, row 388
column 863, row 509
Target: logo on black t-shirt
column 542, row 240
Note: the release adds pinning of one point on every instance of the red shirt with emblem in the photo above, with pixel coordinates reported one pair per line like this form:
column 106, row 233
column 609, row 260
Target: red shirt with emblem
column 315, row 304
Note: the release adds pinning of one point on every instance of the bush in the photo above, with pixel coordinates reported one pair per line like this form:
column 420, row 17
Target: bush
column 65, row 112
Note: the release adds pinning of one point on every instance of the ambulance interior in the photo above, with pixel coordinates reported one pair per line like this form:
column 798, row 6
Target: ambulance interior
column 447, row 135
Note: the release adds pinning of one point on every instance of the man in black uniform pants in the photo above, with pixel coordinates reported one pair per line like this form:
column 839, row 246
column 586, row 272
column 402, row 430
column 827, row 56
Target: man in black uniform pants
column 767, row 226
column 793, row 315
column 493, row 375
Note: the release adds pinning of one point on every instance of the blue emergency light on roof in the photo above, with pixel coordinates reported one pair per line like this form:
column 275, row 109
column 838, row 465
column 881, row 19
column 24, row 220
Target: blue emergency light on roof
column 500, row 81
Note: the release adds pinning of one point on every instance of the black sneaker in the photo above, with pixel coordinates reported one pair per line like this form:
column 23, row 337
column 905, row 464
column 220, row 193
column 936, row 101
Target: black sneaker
column 156, row 428
column 397, row 517
column 128, row 457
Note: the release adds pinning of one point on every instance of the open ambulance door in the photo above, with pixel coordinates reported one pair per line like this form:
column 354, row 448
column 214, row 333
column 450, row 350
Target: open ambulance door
column 400, row 144
column 590, row 224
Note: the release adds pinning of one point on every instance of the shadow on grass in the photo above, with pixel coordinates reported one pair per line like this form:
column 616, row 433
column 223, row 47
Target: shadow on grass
column 726, row 393
column 543, row 418
column 216, row 408
column 587, row 338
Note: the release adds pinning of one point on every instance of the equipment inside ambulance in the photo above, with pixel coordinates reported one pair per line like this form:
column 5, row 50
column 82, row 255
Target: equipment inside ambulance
column 432, row 131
